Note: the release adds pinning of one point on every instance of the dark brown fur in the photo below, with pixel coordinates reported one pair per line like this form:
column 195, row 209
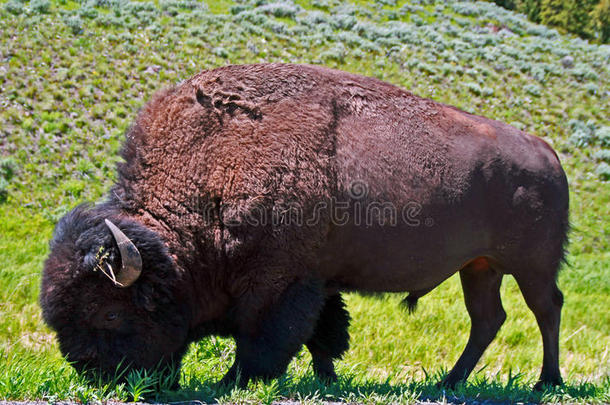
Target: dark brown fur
column 239, row 144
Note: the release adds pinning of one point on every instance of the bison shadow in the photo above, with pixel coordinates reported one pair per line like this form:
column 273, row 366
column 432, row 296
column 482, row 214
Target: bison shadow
column 350, row 389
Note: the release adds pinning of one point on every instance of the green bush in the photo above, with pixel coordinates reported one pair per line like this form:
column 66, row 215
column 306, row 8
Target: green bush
column 75, row 24
column 14, row 7
column 532, row 89
column 603, row 171
column 8, row 168
column 601, row 19
column 40, row 6
column 581, row 138
column 603, row 136
column 589, row 19
column 602, row 155
column 7, row 171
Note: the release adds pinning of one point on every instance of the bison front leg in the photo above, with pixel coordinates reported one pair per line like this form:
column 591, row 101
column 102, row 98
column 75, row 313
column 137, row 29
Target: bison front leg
column 279, row 335
column 330, row 338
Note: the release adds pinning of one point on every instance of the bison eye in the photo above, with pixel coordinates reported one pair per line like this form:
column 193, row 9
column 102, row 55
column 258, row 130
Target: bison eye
column 111, row 316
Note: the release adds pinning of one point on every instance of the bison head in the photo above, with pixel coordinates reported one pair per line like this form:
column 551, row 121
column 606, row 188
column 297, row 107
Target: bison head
column 109, row 291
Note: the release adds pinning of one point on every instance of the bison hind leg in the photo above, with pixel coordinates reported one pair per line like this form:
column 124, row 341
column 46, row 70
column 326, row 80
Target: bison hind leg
column 481, row 285
column 545, row 300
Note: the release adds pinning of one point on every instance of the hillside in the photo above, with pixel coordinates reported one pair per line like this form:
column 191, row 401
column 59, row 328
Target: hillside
column 74, row 74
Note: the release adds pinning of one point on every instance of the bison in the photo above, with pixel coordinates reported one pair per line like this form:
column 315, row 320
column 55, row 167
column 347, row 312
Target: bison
column 251, row 196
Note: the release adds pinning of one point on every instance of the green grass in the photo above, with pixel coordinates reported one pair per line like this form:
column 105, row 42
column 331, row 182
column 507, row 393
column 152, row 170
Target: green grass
column 73, row 77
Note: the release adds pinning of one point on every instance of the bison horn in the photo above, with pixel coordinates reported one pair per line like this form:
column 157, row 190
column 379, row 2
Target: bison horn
column 131, row 261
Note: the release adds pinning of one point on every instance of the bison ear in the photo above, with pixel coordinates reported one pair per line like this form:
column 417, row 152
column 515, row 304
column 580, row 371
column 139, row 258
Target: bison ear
column 90, row 260
column 145, row 297
column 99, row 254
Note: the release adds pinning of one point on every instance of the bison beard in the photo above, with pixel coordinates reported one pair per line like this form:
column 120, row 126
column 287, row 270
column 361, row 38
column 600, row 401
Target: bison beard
column 189, row 243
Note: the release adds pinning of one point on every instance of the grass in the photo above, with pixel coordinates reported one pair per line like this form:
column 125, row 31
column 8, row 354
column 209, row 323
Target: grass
column 73, row 75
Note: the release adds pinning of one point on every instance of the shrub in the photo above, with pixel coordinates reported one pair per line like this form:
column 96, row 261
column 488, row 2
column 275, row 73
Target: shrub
column 275, row 26
column 510, row 51
column 195, row 43
column 428, row 69
column 14, row 7
column 449, row 29
column 88, row 11
column 280, row 9
column 583, row 71
column 387, row 42
column 221, row 52
column 390, row 14
column 3, row 190
column 8, row 167
column 370, row 46
column 603, row 136
column 343, row 21
column 602, row 155
column 446, row 69
column 185, row 4
column 411, row 9
column 417, row 20
column 125, row 37
column 75, row 24
column 108, row 20
column 591, row 88
column 136, row 6
column 155, row 28
column 146, row 17
column 580, row 138
column 532, row 89
column 487, row 91
column 252, row 16
column 321, row 4
column 539, row 74
column 40, row 6
column 238, row 8
column 465, row 8
column 350, row 38
column 336, row 53
column 587, row 127
column 603, row 171
column 474, row 88
column 313, row 18
column 347, row 9
column 103, row 3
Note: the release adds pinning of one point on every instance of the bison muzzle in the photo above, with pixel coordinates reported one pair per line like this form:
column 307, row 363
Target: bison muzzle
column 251, row 196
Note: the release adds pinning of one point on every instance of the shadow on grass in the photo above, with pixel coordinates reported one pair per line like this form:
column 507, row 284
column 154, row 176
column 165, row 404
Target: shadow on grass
column 25, row 375
column 352, row 390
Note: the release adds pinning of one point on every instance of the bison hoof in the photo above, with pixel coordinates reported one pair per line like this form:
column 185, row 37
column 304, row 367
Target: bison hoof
column 544, row 385
column 233, row 377
column 325, row 370
column 448, row 382
column 327, row 377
